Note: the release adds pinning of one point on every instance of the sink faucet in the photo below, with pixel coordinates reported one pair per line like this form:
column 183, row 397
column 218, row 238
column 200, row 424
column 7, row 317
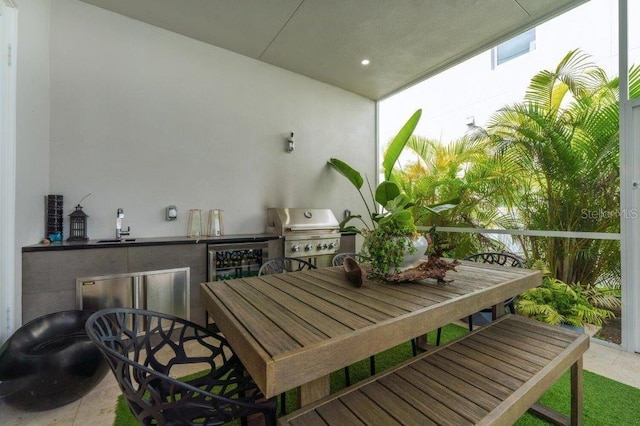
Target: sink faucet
column 119, row 231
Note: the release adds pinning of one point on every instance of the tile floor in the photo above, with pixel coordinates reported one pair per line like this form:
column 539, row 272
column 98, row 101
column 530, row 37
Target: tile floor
column 97, row 408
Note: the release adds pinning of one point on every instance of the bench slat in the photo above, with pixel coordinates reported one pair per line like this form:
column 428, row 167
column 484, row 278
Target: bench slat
column 366, row 409
column 426, row 404
column 311, row 419
column 546, row 348
column 528, row 345
column 470, row 376
column 393, row 404
column 491, row 375
column 446, row 394
column 450, row 376
column 558, row 333
column 509, row 375
column 336, row 412
column 516, row 352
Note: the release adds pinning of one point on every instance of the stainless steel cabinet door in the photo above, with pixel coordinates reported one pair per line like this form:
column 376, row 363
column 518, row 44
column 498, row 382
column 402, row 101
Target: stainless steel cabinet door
column 105, row 292
column 167, row 292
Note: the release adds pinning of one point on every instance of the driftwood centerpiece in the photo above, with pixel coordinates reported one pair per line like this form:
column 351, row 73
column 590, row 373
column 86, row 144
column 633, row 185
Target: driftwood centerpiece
column 435, row 267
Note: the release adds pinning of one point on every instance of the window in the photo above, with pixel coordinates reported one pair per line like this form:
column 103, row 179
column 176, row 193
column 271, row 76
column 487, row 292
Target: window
column 510, row 49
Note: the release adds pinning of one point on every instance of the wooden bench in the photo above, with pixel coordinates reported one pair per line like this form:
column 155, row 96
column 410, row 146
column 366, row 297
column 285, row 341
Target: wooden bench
column 492, row 375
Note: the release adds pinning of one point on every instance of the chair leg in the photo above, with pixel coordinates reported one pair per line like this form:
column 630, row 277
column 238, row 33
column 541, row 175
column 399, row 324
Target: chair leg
column 347, row 377
column 414, row 346
column 270, row 419
column 439, row 334
column 470, row 319
column 372, row 365
column 283, row 403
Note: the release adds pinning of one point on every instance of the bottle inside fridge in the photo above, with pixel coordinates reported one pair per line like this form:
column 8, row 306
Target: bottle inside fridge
column 229, row 261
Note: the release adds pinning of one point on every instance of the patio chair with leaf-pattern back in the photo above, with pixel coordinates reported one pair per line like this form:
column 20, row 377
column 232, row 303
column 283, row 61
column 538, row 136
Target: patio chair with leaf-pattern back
column 145, row 348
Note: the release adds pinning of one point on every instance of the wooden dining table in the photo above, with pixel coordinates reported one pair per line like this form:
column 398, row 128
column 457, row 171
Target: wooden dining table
column 292, row 330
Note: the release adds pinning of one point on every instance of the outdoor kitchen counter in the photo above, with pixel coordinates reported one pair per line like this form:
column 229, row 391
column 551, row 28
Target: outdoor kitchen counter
column 49, row 272
column 156, row 241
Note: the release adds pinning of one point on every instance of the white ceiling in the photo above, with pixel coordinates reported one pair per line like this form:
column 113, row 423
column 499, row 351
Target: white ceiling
column 405, row 40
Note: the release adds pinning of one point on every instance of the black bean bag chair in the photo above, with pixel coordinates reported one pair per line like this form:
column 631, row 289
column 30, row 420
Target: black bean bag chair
column 50, row 362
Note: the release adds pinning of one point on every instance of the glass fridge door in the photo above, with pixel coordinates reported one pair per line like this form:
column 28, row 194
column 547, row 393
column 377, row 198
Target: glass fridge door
column 229, row 261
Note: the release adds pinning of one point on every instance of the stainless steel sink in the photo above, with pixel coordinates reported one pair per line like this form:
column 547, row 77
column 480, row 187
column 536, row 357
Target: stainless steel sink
column 126, row 240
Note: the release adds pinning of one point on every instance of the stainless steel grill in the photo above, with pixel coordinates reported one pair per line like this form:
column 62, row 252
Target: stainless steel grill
column 310, row 234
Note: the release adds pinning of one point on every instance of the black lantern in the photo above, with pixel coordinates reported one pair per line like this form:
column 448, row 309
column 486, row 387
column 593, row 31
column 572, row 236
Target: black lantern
column 78, row 225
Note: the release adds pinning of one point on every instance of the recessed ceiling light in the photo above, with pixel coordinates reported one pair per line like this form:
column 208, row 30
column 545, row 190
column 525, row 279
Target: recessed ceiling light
column 365, row 62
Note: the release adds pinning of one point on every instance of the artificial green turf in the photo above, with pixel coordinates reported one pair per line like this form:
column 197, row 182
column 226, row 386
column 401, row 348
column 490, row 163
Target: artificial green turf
column 606, row 402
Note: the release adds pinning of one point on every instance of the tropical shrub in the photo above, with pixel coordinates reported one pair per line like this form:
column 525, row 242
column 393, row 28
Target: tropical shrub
column 562, row 143
column 467, row 170
column 549, row 162
column 391, row 227
column 556, row 302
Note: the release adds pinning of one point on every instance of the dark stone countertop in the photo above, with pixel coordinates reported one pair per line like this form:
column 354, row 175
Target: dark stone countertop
column 136, row 242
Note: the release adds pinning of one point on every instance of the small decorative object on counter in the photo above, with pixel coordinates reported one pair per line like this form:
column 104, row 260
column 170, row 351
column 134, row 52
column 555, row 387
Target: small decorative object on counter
column 195, row 223
column 215, row 226
column 55, row 237
column 77, row 225
column 54, row 217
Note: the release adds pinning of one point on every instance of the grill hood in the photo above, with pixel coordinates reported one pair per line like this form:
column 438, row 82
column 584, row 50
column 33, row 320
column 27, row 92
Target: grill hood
column 286, row 221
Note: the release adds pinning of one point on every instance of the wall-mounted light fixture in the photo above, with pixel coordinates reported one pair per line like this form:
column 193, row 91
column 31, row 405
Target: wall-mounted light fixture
column 171, row 212
column 290, row 144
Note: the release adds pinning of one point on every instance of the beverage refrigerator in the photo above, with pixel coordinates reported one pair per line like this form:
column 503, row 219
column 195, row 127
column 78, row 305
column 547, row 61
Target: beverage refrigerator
column 229, row 261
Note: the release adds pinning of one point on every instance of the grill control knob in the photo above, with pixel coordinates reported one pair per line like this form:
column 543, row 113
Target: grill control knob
column 308, row 247
column 332, row 245
column 295, row 247
column 321, row 246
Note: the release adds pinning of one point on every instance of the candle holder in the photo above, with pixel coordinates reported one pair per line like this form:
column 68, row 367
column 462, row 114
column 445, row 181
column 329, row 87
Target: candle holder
column 78, row 225
column 195, row 223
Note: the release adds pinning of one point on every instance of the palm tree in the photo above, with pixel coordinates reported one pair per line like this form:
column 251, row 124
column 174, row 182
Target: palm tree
column 465, row 170
column 562, row 142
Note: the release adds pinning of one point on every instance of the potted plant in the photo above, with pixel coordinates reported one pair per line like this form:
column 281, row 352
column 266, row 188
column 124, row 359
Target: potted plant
column 558, row 303
column 392, row 242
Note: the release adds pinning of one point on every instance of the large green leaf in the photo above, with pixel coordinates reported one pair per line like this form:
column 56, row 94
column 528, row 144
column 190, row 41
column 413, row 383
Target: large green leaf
column 444, row 206
column 398, row 143
column 347, row 171
column 386, row 192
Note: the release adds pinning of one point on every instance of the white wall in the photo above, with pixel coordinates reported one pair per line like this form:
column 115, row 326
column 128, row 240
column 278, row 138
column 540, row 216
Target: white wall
column 473, row 88
column 32, row 129
column 143, row 118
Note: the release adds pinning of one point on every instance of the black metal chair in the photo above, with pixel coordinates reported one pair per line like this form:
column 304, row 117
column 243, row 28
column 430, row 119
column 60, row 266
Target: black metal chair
column 145, row 348
column 284, row 264
column 496, row 259
column 278, row 266
column 337, row 260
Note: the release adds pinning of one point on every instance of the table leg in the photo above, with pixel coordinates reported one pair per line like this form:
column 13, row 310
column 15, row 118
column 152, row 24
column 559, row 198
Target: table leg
column 313, row 391
column 422, row 342
column 576, row 393
column 497, row 311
